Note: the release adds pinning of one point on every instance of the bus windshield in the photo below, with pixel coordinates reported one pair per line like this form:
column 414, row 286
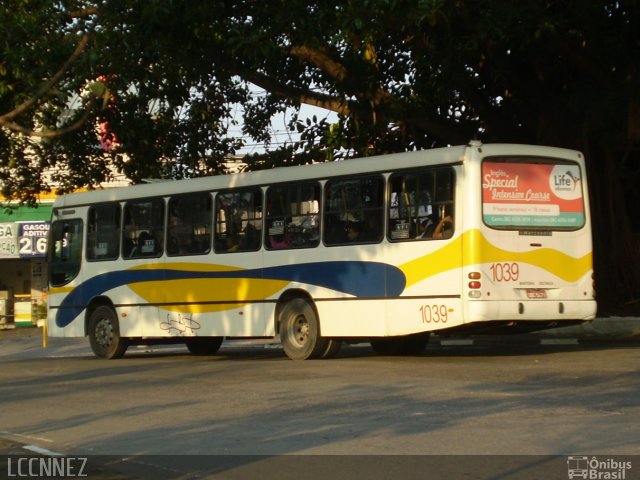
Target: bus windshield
column 532, row 193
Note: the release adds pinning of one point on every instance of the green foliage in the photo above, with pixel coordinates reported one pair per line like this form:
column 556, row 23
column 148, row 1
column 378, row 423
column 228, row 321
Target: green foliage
column 401, row 74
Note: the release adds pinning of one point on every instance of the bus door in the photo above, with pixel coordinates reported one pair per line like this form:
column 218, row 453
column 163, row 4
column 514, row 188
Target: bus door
column 65, row 273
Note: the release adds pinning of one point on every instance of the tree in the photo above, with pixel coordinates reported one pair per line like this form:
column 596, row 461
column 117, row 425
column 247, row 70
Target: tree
column 400, row 75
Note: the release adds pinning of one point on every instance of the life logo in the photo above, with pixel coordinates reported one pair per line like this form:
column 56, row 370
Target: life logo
column 564, row 182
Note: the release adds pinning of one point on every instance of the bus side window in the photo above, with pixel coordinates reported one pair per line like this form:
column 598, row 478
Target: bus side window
column 293, row 216
column 418, row 202
column 143, row 228
column 444, row 203
column 189, row 224
column 238, row 221
column 103, row 232
column 353, row 210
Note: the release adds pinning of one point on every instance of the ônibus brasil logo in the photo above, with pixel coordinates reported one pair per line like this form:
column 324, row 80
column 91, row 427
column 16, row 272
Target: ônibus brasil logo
column 582, row 466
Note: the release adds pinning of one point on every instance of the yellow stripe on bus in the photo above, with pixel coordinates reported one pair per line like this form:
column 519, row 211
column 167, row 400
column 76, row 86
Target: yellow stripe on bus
column 478, row 250
column 442, row 260
column 201, row 294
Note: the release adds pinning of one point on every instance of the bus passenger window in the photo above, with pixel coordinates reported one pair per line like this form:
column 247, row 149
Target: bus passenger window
column 238, row 221
column 103, row 232
column 292, row 217
column 189, row 224
column 353, row 210
column 143, row 228
column 420, row 205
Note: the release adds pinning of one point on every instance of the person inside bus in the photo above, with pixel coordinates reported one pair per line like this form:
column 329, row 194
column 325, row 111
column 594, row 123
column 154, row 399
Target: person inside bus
column 352, row 231
column 145, row 245
column 279, row 241
column 425, row 228
column 231, row 243
column 444, row 228
column 251, row 238
column 371, row 228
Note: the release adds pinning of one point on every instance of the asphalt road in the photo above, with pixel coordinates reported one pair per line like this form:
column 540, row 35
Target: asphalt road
column 499, row 410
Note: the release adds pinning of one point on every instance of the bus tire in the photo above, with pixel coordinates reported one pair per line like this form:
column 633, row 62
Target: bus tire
column 104, row 334
column 204, row 346
column 333, row 347
column 405, row 345
column 300, row 331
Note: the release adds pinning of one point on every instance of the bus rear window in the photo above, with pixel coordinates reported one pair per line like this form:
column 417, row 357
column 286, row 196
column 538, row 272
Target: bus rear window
column 532, row 194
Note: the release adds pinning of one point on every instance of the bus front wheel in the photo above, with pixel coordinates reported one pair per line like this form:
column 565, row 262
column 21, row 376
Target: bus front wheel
column 300, row 331
column 104, row 334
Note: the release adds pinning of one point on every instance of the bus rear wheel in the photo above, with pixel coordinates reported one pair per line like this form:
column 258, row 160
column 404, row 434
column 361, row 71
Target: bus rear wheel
column 405, row 345
column 333, row 347
column 300, row 331
column 104, row 334
column 204, row 346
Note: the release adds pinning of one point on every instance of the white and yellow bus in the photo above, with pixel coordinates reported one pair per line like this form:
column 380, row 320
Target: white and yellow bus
column 473, row 238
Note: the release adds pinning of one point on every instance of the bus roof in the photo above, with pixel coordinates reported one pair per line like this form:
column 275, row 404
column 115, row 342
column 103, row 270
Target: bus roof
column 379, row 163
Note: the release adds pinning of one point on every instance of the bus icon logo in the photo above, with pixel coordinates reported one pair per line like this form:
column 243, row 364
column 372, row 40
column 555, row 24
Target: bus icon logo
column 578, row 466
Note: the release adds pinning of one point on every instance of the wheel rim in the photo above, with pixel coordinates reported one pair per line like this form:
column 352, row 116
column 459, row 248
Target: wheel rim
column 104, row 332
column 299, row 331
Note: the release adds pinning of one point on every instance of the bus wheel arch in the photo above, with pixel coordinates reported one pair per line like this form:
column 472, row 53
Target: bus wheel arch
column 287, row 296
column 91, row 307
column 298, row 323
column 103, row 329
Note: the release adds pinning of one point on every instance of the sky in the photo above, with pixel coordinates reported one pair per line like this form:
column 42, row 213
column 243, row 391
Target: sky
column 279, row 132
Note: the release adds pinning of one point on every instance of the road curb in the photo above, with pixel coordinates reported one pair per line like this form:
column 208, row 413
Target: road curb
column 599, row 330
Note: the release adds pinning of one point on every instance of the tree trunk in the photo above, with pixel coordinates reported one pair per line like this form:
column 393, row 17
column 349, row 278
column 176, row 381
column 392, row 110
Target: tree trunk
column 616, row 249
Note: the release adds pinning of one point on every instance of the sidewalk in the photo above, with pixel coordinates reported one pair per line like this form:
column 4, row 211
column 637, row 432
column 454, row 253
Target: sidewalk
column 606, row 327
column 599, row 330
column 20, row 332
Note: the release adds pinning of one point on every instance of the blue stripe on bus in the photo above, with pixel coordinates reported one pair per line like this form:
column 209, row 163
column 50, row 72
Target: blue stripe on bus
column 360, row 279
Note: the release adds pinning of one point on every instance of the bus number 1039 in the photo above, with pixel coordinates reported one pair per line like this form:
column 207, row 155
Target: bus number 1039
column 434, row 313
column 505, row 272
